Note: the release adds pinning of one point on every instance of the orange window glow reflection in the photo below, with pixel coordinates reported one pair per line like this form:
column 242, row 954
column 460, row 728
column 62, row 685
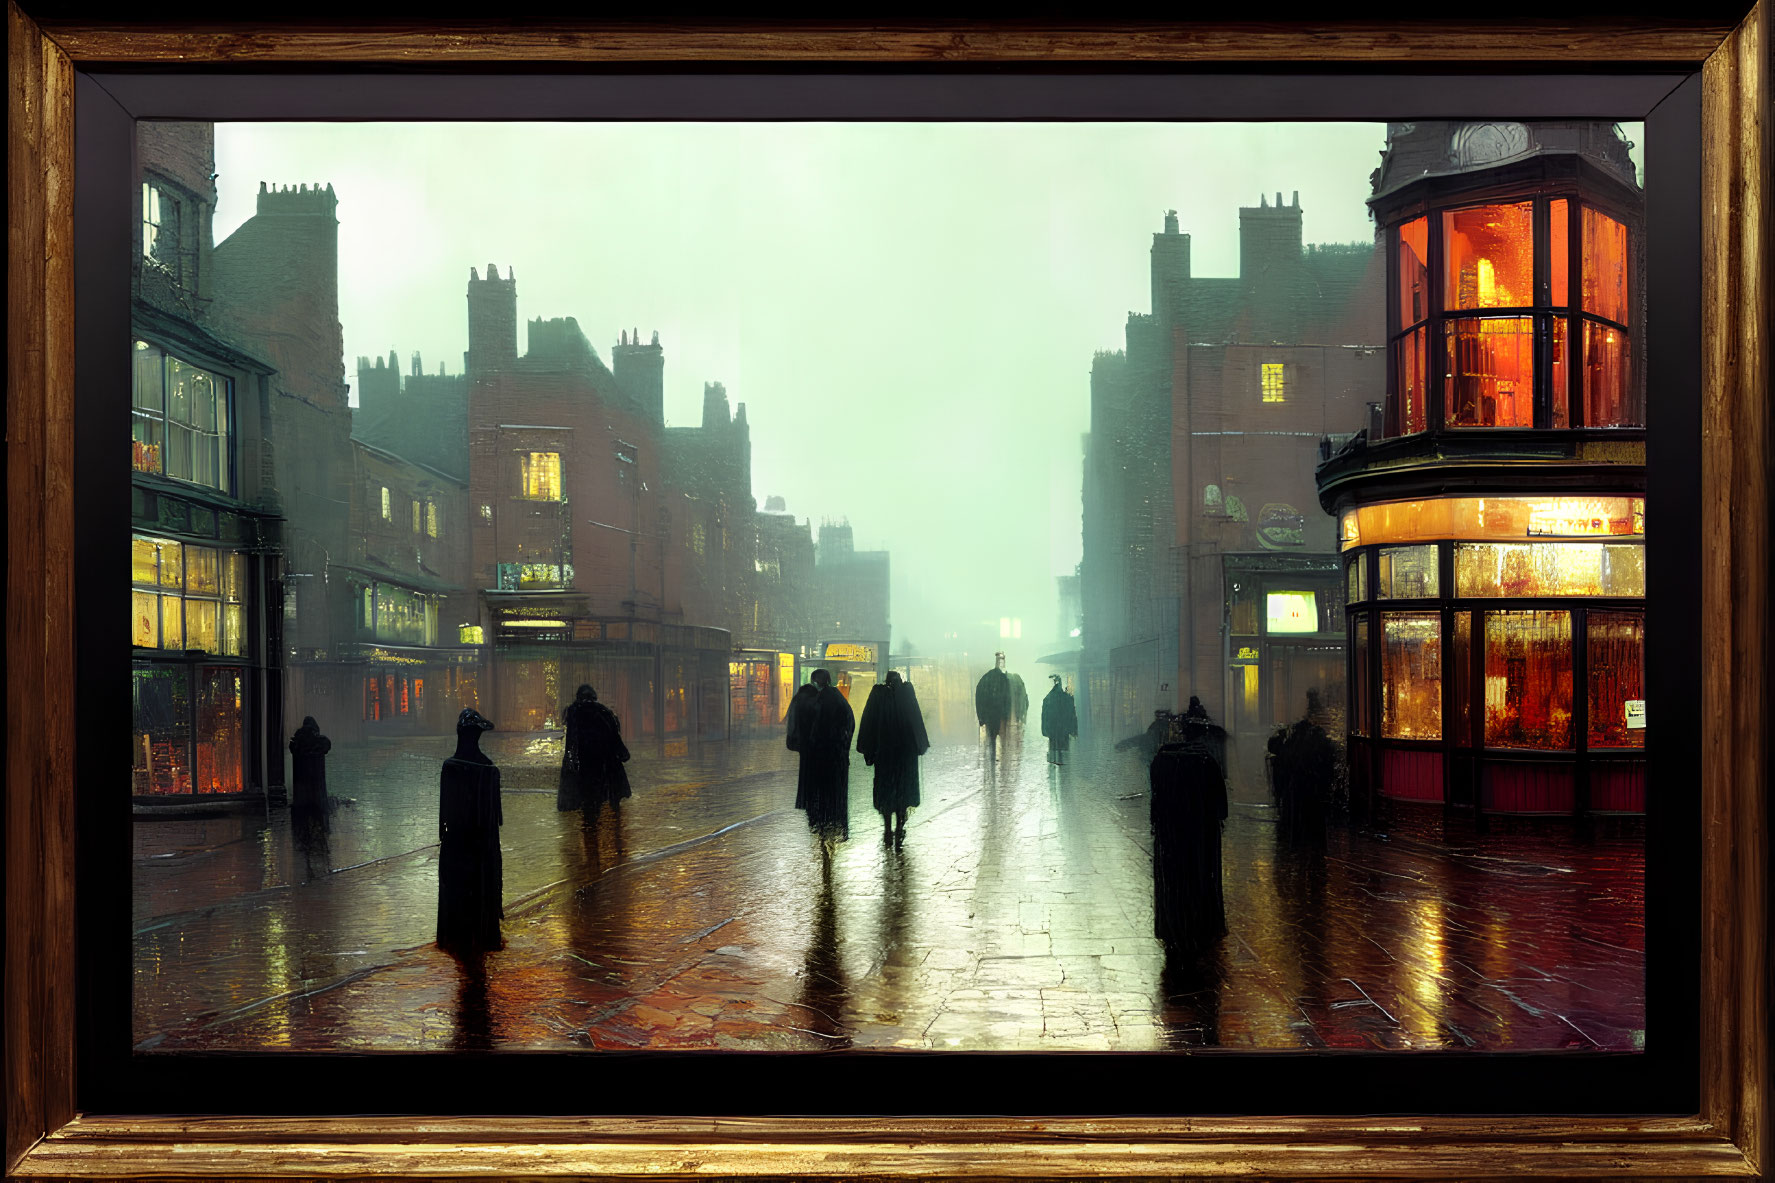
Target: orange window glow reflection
column 1489, row 256
column 1414, row 271
column 1605, row 266
column 1506, row 518
column 1491, row 372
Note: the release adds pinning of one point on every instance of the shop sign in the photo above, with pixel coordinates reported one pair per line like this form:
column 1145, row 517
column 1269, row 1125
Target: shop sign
column 1245, row 655
column 849, row 651
column 1579, row 516
column 1636, row 714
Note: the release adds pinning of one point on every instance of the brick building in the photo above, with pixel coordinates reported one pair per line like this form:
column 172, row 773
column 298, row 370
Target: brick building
column 1208, row 568
column 579, row 550
column 277, row 293
column 850, row 610
column 206, row 525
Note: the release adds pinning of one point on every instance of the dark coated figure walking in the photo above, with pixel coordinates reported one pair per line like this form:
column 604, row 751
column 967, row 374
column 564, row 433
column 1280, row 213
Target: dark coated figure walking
column 1060, row 721
column 992, row 701
column 1305, row 769
column 470, row 870
column 820, row 729
column 1188, row 807
column 892, row 737
column 308, row 759
column 592, row 772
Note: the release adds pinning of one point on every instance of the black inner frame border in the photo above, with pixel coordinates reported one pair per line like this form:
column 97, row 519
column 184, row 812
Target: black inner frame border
column 1664, row 1079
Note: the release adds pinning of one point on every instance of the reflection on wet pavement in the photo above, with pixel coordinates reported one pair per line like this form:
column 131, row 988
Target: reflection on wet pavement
column 1016, row 914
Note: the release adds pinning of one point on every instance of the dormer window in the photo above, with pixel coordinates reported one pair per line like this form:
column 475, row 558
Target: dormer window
column 1489, row 330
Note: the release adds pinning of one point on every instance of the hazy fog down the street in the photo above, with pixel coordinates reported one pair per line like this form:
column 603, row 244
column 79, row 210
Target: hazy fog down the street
column 908, row 311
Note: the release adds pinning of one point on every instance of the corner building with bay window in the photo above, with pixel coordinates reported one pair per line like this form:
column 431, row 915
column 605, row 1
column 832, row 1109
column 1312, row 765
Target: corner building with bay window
column 1493, row 537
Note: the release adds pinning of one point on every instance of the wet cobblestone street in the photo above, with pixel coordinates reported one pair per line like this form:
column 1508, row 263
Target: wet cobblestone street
column 1016, row 915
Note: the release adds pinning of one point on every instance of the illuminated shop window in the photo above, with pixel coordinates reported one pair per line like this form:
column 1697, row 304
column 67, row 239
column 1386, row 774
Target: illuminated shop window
column 1491, row 371
column 1361, row 721
column 1356, row 579
column 179, row 419
column 698, row 538
column 402, row 616
column 1291, row 611
column 190, row 730
column 1528, row 680
column 187, row 597
column 418, row 517
column 1615, row 660
column 1550, row 569
column 387, row 506
column 540, row 475
column 1480, row 341
column 431, row 519
column 1411, row 675
column 471, row 634
column 1511, row 518
column 1274, row 390
column 1407, row 573
column 1463, row 679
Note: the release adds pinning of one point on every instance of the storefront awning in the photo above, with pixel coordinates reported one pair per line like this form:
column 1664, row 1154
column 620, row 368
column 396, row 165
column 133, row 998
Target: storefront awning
column 1066, row 657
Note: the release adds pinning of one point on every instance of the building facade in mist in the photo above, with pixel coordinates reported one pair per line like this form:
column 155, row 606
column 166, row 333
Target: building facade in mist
column 1494, row 531
column 207, row 518
column 851, row 621
column 1208, row 567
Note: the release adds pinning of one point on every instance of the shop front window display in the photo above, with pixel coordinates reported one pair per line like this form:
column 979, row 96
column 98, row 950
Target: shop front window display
column 1528, row 680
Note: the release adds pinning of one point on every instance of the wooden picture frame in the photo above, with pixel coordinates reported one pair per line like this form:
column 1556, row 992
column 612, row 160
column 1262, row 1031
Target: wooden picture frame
column 1729, row 1135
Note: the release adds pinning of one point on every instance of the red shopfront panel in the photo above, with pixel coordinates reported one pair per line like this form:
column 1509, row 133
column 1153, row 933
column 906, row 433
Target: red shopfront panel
column 1618, row 786
column 1411, row 774
column 1524, row 787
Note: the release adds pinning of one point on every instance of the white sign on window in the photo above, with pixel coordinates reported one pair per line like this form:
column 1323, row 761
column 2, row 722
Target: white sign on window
column 1636, row 714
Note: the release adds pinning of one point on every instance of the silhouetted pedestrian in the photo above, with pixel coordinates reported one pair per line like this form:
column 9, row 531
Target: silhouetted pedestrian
column 1195, row 710
column 1189, row 805
column 592, row 772
column 1060, row 721
column 892, row 737
column 823, row 726
column 992, row 700
column 1156, row 736
column 1305, row 772
column 470, row 869
column 1019, row 699
column 308, row 759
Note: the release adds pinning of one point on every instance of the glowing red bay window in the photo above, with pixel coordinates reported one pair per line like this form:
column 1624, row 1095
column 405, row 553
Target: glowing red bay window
column 1413, row 365
column 1414, row 272
column 1559, row 246
column 1491, row 372
column 1609, row 397
column 1605, row 266
column 220, row 730
column 1615, row 656
column 1411, row 675
column 1528, row 680
column 1489, row 256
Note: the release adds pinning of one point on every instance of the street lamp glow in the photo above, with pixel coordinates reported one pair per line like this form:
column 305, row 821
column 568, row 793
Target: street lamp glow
column 1004, row 626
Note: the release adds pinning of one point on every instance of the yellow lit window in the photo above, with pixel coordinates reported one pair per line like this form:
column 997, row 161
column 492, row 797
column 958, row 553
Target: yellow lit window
column 431, row 519
column 540, row 474
column 1273, row 391
column 415, row 517
column 387, row 506
column 470, row 634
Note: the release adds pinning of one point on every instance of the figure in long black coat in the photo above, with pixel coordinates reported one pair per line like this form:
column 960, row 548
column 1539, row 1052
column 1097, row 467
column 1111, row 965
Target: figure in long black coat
column 800, row 725
column 992, row 700
column 308, row 757
column 1188, row 806
column 592, row 772
column 470, row 869
column 892, row 737
column 1305, row 772
column 1019, row 699
column 823, row 727
column 1060, row 721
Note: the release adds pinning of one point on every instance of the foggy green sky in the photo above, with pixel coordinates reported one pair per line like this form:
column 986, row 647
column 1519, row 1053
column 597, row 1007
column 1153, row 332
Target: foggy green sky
column 908, row 311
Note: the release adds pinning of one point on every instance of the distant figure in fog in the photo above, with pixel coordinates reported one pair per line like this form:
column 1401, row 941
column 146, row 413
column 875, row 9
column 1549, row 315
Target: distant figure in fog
column 1019, row 699
column 1188, row 807
column 892, row 737
column 1060, row 721
column 1306, row 767
column 308, row 759
column 470, row 870
column 1196, row 710
column 592, row 773
column 992, row 700
column 822, row 725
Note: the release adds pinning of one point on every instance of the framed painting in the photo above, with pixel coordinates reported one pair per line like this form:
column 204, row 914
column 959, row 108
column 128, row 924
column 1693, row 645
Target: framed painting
column 1513, row 177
